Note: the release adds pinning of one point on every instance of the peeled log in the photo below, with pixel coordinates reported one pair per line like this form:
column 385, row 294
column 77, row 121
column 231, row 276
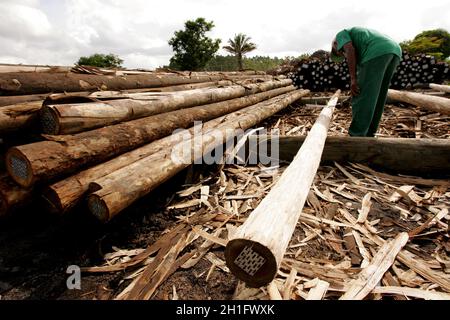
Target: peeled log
column 255, row 250
column 440, row 87
column 35, row 83
column 20, row 116
column 65, row 194
column 436, row 104
column 45, row 160
column 11, row 195
column 73, row 118
column 121, row 188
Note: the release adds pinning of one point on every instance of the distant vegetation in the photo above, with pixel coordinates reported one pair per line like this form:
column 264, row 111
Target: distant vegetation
column 433, row 42
column 101, row 61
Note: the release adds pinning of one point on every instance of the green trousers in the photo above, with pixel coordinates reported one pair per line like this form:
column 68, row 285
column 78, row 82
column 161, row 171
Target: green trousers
column 374, row 78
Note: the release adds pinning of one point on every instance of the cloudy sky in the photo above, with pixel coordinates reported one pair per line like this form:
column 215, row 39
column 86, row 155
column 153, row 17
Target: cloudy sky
column 58, row 32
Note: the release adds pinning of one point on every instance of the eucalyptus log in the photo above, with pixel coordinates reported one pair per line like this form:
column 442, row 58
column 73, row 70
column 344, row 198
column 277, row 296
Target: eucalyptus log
column 45, row 160
column 73, row 118
column 255, row 249
column 121, row 188
column 440, row 87
column 65, row 194
column 12, row 196
column 19, row 116
column 400, row 155
column 24, row 83
column 436, row 104
column 105, row 95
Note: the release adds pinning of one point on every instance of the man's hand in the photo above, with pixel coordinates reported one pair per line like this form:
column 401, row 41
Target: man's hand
column 354, row 87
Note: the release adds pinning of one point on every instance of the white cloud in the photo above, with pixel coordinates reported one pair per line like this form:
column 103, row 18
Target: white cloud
column 60, row 31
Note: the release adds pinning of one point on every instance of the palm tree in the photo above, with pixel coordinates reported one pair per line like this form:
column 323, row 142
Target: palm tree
column 239, row 46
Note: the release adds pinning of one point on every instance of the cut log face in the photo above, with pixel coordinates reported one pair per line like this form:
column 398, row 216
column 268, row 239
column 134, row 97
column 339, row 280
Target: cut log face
column 273, row 222
column 439, row 87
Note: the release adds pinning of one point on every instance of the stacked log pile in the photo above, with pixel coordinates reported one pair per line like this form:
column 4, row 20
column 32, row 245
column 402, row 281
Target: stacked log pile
column 322, row 74
column 116, row 129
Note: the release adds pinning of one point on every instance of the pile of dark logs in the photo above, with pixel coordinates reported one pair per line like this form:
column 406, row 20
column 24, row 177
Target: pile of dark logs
column 63, row 140
column 322, row 74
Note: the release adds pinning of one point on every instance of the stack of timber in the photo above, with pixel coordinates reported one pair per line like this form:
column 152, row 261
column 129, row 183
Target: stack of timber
column 361, row 234
column 322, row 74
column 110, row 125
column 25, row 83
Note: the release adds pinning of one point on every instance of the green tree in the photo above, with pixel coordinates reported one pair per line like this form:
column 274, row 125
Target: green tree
column 101, row 61
column 239, row 46
column 192, row 48
column 434, row 42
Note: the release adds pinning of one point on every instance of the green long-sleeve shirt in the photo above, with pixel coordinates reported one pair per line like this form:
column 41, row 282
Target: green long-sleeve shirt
column 369, row 44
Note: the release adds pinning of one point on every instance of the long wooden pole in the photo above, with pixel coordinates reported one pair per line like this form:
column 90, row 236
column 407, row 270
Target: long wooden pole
column 400, row 155
column 19, row 116
column 436, row 104
column 45, row 160
column 440, row 87
column 255, row 250
column 121, row 188
column 24, row 83
column 12, row 195
column 65, row 194
column 73, row 118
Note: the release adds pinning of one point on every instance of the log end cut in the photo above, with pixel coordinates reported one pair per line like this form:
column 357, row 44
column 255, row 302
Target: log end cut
column 251, row 262
column 49, row 121
column 19, row 168
column 98, row 208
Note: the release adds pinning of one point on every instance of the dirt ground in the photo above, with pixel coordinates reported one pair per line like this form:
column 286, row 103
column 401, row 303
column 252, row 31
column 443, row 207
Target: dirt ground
column 36, row 248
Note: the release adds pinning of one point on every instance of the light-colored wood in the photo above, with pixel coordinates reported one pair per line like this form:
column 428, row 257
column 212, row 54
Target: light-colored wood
column 72, row 118
column 65, row 194
column 440, row 87
column 121, row 188
column 105, row 95
column 24, row 83
column 421, row 268
column 19, row 116
column 65, row 154
column 437, row 104
column 259, row 245
column 412, row 292
column 373, row 273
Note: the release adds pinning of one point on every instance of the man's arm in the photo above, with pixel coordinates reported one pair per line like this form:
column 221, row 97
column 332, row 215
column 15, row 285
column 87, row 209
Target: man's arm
column 350, row 54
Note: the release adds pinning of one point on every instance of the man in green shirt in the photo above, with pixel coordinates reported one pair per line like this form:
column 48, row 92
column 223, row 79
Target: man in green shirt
column 372, row 59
